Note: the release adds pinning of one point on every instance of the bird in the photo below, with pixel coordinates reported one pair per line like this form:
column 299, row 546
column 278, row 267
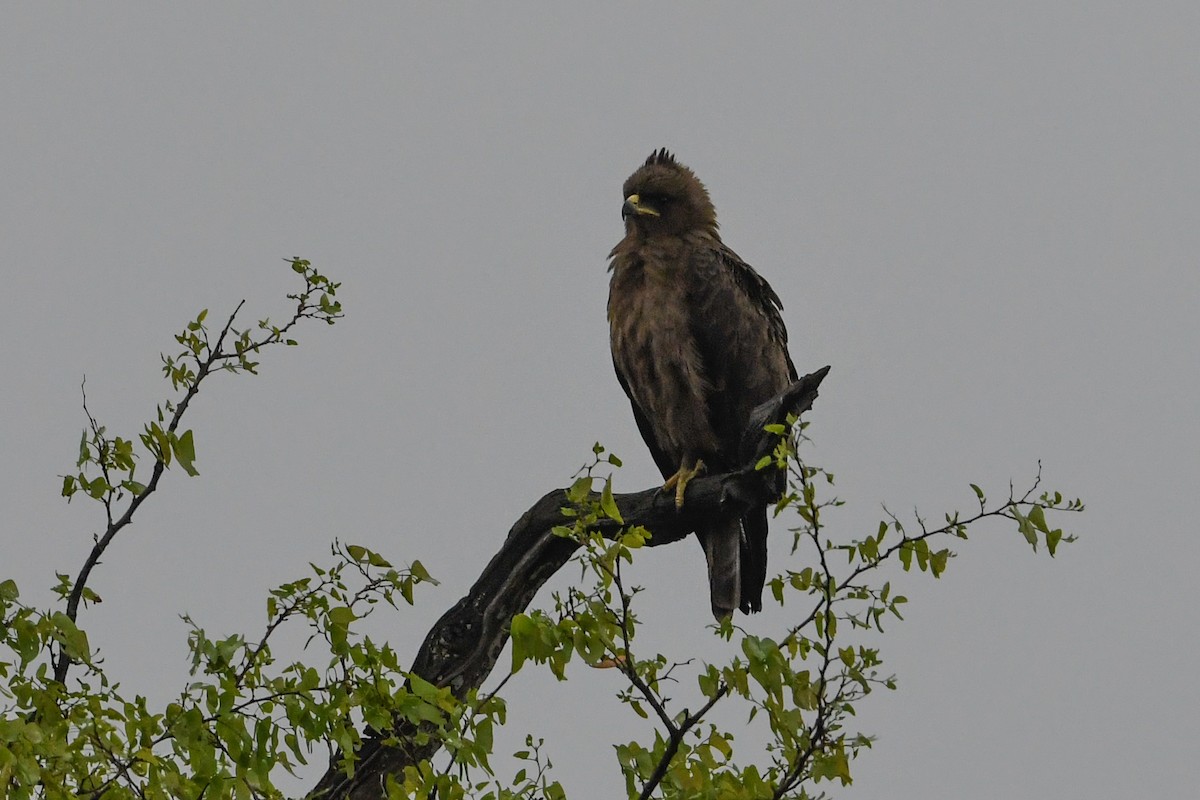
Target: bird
column 698, row 340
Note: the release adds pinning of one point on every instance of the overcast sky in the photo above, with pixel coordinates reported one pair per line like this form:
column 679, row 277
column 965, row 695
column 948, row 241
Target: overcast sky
column 984, row 216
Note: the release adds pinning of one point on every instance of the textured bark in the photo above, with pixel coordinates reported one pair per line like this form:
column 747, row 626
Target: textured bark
column 462, row 647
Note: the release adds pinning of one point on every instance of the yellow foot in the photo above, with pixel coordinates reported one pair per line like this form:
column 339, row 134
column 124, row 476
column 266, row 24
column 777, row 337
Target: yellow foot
column 680, row 480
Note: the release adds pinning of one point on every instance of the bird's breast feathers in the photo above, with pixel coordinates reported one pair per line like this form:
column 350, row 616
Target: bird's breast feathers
column 656, row 355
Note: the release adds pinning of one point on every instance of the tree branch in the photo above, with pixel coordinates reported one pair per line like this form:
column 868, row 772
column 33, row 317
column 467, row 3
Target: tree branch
column 64, row 661
column 461, row 649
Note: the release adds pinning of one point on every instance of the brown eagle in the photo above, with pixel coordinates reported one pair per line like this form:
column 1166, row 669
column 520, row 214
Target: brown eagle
column 697, row 342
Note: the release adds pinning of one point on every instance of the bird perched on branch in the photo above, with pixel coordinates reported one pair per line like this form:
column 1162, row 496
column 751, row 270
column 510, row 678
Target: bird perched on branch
column 697, row 342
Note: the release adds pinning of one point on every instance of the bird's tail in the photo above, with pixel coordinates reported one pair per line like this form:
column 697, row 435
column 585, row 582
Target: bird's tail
column 754, row 560
column 722, row 550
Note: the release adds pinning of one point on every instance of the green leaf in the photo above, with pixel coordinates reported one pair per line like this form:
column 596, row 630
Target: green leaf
column 579, row 490
column 635, row 537
column 342, row 616
column 418, row 571
column 521, row 631
column 73, row 640
column 185, row 452
column 1024, row 526
column 156, row 442
column 937, row 562
column 85, row 454
column 376, row 560
column 1038, row 517
column 868, row 550
column 608, row 505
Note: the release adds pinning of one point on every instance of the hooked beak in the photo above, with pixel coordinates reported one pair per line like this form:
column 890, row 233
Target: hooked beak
column 633, row 206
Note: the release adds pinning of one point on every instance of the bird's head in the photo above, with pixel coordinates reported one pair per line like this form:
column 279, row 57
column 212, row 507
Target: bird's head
column 665, row 197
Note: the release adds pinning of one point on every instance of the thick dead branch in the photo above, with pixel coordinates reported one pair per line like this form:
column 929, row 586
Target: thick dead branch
column 462, row 648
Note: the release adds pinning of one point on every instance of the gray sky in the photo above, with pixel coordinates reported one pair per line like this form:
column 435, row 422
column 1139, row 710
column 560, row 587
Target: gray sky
column 984, row 216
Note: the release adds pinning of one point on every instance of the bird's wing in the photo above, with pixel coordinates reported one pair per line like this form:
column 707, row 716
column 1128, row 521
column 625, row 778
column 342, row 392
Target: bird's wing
column 666, row 465
column 762, row 297
column 739, row 333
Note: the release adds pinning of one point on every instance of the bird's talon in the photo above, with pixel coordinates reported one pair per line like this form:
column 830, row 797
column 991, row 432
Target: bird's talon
column 680, row 480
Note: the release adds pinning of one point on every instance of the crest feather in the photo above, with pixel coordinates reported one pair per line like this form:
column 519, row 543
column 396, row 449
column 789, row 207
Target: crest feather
column 660, row 156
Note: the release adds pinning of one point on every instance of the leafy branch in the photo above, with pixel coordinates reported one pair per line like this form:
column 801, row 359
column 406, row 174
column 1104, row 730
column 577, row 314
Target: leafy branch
column 805, row 683
column 242, row 718
column 115, row 487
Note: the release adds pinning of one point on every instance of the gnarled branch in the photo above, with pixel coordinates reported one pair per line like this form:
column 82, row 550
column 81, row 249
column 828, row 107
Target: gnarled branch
column 463, row 646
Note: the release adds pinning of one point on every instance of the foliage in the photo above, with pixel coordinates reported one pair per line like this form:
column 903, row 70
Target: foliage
column 67, row 736
column 244, row 722
column 803, row 683
column 241, row 720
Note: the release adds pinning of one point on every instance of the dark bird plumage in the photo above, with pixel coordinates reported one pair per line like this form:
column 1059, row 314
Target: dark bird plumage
column 697, row 342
